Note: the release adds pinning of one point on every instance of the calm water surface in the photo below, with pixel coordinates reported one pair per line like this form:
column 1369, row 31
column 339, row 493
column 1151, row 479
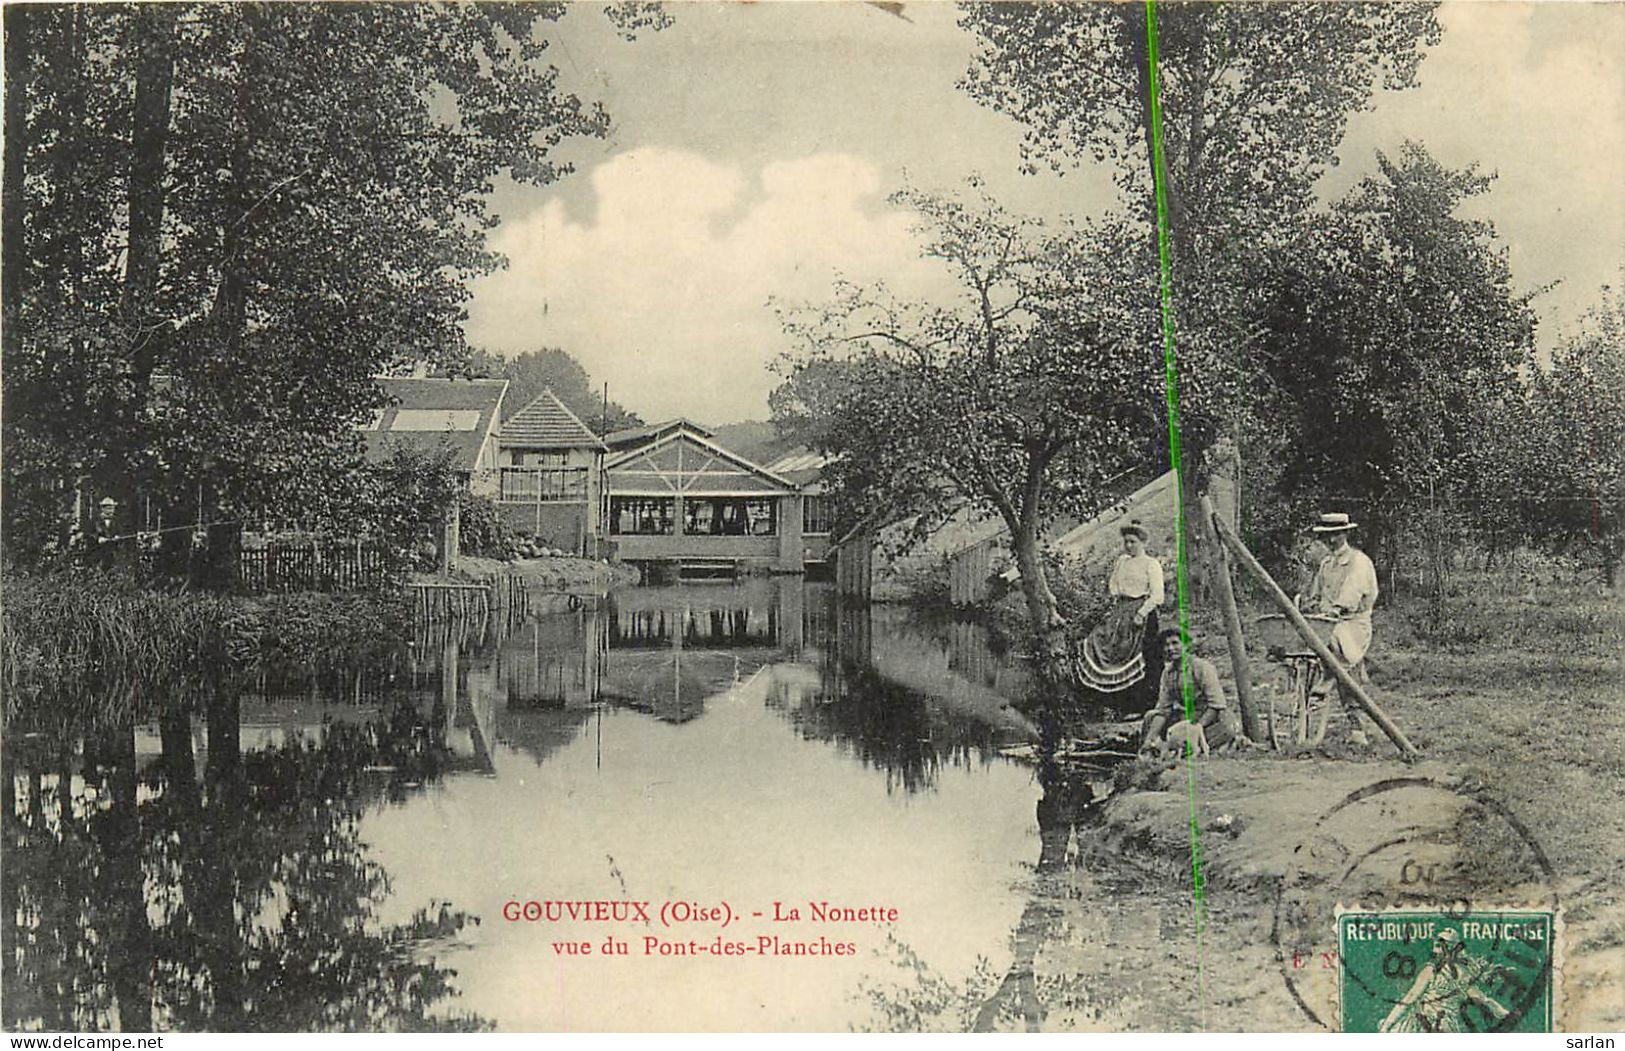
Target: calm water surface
column 347, row 863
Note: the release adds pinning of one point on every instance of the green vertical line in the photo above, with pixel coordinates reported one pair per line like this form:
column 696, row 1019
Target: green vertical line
column 1182, row 584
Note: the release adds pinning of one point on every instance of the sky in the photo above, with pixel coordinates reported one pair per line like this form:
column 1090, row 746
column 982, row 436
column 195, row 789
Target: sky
column 754, row 146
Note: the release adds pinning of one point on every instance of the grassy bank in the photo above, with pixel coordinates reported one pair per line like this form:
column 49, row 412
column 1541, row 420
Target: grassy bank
column 1522, row 694
column 84, row 643
column 89, row 644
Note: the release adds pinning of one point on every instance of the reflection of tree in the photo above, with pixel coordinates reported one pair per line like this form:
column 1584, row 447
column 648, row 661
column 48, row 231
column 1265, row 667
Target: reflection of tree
column 886, row 726
column 240, row 898
column 53, row 971
column 1059, row 813
column 925, row 1000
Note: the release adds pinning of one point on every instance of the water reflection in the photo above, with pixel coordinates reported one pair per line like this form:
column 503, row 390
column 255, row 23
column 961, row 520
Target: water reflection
column 297, row 854
column 151, row 885
column 884, row 724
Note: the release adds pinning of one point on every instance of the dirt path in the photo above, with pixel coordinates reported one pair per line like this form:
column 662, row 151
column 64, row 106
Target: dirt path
column 1114, row 939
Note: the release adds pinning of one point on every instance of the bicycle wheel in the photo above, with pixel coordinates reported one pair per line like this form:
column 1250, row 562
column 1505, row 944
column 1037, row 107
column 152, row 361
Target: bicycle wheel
column 1302, row 674
column 1282, row 703
column 1317, row 711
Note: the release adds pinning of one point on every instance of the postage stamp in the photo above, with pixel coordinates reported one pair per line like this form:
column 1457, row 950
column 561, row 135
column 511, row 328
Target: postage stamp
column 1443, row 971
column 1419, row 904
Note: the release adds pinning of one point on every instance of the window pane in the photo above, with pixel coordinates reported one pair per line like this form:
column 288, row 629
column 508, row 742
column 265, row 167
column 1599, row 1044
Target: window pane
column 531, row 484
column 815, row 516
column 642, row 516
column 699, row 517
column 763, row 517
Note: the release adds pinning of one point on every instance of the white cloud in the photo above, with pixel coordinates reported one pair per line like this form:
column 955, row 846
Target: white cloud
column 664, row 291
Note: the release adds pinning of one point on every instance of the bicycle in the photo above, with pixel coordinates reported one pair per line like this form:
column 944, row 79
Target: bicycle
column 1297, row 717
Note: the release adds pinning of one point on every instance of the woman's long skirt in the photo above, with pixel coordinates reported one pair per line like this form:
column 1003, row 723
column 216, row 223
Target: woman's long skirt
column 1113, row 657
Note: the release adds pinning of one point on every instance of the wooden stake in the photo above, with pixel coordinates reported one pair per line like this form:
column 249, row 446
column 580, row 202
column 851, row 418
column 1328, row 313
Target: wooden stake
column 1232, row 631
column 1271, row 588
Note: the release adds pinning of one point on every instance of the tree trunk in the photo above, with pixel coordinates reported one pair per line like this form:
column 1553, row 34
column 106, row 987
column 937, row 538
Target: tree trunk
column 13, row 255
column 129, row 935
column 66, row 47
column 222, row 564
column 229, row 312
column 1197, row 570
column 1134, row 39
column 1042, row 609
column 149, row 140
column 147, row 334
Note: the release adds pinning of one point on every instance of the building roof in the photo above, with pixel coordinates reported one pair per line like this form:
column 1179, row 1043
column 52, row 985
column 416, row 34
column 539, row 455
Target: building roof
column 689, row 462
column 428, row 412
column 800, row 466
column 651, row 432
column 547, row 423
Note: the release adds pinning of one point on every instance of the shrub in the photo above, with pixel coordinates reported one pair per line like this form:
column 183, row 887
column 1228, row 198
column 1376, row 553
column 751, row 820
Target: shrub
column 320, row 632
column 482, row 532
column 88, row 637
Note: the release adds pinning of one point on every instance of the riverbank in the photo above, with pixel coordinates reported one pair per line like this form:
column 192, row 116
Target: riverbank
column 79, row 642
column 1514, row 698
column 562, row 574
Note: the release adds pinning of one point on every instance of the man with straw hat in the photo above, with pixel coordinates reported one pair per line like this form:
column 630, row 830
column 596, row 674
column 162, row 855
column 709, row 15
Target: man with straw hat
column 1344, row 588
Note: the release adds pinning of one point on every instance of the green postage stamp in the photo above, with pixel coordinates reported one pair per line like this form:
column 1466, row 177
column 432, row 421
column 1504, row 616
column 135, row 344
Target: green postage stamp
column 1410, row 971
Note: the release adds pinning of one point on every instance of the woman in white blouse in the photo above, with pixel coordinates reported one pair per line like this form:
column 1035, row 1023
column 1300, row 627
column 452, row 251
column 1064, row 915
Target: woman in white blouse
column 1114, row 655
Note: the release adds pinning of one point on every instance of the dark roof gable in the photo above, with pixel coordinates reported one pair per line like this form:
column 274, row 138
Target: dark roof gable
column 547, row 423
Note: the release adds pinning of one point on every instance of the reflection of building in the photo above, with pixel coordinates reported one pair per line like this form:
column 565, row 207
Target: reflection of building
column 764, row 615
column 668, row 649
column 551, row 476
column 677, row 498
column 693, row 622
column 532, row 689
column 551, row 661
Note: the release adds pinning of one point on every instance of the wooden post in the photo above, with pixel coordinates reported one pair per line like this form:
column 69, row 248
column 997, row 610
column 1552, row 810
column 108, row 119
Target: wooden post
column 1232, row 630
column 450, row 539
column 1271, row 588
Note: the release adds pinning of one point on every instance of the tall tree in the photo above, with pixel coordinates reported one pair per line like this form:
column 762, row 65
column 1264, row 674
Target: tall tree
column 1396, row 337
column 1254, row 99
column 204, row 272
column 1017, row 399
column 1573, row 483
column 550, row 368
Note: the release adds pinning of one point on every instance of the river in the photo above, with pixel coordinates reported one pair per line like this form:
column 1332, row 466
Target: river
column 349, row 860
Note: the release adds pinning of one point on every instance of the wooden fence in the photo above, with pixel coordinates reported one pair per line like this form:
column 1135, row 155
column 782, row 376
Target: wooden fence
column 441, row 601
column 324, row 567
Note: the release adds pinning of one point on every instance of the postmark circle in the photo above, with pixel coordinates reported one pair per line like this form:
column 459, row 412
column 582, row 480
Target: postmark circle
column 1418, row 847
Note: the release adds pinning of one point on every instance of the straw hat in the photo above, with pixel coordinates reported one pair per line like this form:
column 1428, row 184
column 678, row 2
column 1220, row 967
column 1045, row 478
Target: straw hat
column 1333, row 522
